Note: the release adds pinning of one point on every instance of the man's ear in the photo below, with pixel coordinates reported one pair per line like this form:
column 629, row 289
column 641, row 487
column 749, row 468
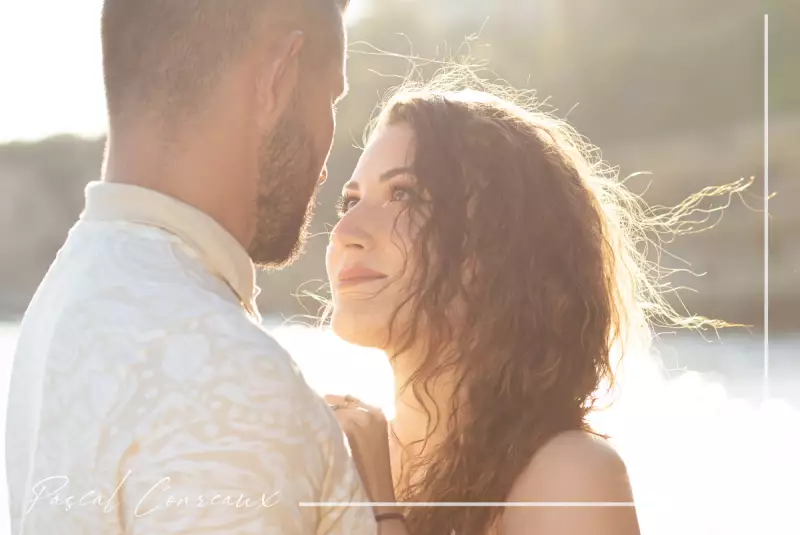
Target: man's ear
column 279, row 77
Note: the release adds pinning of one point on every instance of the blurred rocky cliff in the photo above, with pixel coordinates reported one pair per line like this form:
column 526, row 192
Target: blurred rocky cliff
column 672, row 89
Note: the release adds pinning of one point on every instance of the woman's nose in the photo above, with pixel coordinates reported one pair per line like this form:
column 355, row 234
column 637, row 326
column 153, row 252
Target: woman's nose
column 352, row 232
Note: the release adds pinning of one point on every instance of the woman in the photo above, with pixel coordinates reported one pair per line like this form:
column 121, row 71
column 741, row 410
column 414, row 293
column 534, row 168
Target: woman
column 496, row 264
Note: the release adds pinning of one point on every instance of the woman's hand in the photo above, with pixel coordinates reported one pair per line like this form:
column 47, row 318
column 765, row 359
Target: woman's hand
column 367, row 433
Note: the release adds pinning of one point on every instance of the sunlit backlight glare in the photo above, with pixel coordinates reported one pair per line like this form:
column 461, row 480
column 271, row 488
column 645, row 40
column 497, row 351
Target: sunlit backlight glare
column 356, row 10
column 52, row 69
column 332, row 366
column 700, row 461
column 52, row 76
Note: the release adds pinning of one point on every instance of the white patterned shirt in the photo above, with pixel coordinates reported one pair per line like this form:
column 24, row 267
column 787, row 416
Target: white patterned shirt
column 146, row 398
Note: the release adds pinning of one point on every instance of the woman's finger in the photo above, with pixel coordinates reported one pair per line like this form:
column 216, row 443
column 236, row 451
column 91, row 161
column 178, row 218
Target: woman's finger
column 344, row 400
column 336, row 403
column 348, row 402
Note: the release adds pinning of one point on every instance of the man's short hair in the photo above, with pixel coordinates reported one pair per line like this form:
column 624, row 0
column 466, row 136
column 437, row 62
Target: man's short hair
column 163, row 55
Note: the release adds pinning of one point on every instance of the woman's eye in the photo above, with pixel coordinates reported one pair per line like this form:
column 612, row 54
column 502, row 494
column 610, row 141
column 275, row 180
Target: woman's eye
column 401, row 194
column 345, row 203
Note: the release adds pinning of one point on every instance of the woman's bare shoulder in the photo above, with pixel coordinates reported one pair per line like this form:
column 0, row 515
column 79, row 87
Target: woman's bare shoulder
column 575, row 466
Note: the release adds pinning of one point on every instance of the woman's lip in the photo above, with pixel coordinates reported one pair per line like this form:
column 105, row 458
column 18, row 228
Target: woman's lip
column 358, row 275
column 350, row 283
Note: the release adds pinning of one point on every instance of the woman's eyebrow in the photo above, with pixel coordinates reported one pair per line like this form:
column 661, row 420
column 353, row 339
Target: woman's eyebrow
column 391, row 173
column 386, row 175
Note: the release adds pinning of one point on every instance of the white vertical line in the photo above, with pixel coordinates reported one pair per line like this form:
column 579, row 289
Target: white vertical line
column 766, row 208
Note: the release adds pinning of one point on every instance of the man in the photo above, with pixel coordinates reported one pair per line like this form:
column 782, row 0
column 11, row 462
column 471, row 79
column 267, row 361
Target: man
column 146, row 399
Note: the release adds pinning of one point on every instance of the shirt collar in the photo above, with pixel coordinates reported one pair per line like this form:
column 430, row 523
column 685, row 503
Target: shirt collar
column 222, row 254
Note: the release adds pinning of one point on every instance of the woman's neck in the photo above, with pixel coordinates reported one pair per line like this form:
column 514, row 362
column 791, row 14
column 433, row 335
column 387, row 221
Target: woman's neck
column 415, row 418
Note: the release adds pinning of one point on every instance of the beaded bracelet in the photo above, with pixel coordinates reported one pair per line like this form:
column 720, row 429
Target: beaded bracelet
column 390, row 516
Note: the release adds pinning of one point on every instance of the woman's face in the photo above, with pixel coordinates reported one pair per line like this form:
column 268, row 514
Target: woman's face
column 368, row 258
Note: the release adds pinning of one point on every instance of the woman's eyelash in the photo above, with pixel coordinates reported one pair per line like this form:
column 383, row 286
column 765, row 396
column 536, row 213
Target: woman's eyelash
column 343, row 203
column 409, row 190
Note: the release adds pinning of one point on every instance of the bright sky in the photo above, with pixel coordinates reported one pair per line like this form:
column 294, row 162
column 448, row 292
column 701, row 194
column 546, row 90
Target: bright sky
column 51, row 77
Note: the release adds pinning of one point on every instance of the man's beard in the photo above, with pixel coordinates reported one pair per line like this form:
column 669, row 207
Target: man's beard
column 287, row 191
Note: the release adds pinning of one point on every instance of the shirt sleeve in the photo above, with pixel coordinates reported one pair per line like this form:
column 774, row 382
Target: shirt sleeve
column 238, row 448
column 215, row 476
column 346, row 509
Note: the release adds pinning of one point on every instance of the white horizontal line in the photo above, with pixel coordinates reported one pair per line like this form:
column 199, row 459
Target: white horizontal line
column 467, row 504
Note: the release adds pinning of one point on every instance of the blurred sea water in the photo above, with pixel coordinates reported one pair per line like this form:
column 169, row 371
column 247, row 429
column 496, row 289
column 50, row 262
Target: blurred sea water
column 706, row 452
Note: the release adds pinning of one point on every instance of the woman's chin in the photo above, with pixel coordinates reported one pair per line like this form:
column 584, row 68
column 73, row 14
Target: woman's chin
column 359, row 331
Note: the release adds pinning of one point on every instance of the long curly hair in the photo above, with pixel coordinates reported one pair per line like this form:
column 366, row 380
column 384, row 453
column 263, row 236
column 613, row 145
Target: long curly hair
column 544, row 250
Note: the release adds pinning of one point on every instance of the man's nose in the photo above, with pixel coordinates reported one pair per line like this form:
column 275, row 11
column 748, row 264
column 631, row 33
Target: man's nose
column 323, row 176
